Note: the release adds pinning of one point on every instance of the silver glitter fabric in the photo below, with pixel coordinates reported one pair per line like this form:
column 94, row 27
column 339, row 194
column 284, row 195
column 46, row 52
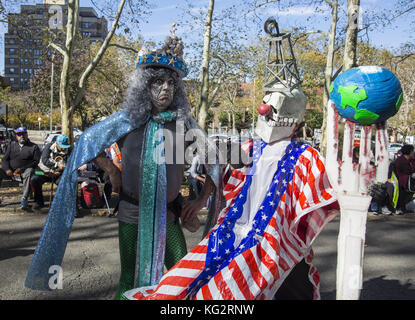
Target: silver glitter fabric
column 52, row 243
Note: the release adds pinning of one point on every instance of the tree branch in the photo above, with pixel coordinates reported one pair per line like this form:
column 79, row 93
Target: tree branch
column 58, row 48
column 98, row 57
column 108, row 79
column 122, row 47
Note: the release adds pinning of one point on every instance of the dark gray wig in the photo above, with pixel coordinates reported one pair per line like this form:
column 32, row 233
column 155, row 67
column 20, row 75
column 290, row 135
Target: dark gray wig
column 137, row 103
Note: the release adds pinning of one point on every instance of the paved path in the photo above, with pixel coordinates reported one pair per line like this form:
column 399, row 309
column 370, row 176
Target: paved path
column 91, row 263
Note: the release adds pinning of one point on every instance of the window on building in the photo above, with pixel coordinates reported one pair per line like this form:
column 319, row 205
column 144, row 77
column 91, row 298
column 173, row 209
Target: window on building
column 11, row 80
column 11, row 70
column 12, row 50
column 11, row 60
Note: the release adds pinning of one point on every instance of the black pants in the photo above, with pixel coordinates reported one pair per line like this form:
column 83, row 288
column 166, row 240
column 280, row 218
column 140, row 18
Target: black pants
column 297, row 285
column 404, row 198
column 37, row 183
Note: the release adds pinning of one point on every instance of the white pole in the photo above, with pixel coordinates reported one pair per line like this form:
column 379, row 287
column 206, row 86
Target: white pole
column 382, row 153
column 350, row 245
column 332, row 147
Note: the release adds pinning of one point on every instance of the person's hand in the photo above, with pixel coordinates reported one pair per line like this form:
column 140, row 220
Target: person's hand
column 201, row 179
column 115, row 178
column 413, row 175
column 83, row 167
column 61, row 166
column 17, row 171
column 9, row 173
column 56, row 174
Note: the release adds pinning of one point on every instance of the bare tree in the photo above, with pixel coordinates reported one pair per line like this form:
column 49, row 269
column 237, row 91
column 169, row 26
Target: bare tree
column 329, row 69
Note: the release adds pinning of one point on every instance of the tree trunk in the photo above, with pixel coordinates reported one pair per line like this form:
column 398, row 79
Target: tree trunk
column 233, row 123
column 349, row 60
column 216, row 119
column 64, row 97
column 328, row 72
column 204, row 90
column 72, row 27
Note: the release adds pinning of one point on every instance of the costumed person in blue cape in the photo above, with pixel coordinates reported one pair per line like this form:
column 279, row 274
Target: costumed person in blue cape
column 150, row 131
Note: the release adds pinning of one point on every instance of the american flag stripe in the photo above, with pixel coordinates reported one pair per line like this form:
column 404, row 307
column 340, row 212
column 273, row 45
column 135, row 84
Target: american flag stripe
column 253, row 262
column 249, row 278
column 241, row 274
column 206, row 294
column 223, row 291
column 259, row 271
column 232, row 278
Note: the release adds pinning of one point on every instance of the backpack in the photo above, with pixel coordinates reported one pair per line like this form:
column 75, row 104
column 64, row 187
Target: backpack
column 90, row 198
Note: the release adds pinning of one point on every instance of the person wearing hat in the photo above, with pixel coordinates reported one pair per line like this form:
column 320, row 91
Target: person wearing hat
column 20, row 159
column 150, row 131
column 52, row 163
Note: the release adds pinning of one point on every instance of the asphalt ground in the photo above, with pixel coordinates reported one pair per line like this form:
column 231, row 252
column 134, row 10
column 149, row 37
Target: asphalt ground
column 91, row 263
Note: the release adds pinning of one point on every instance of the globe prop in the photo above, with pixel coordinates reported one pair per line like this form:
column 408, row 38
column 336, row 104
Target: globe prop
column 366, row 95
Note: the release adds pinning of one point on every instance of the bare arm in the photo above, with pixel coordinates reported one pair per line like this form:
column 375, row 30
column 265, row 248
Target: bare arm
column 113, row 172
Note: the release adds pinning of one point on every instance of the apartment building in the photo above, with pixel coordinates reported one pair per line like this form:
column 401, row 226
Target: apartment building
column 24, row 46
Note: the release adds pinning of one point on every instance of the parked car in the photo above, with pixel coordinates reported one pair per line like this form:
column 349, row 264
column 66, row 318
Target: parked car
column 51, row 137
column 393, row 150
column 7, row 135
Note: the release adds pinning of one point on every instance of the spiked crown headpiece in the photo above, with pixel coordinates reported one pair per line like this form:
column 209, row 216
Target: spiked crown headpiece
column 169, row 56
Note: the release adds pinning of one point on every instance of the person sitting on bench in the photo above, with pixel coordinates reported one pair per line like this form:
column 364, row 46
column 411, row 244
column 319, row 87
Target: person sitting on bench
column 52, row 164
column 19, row 161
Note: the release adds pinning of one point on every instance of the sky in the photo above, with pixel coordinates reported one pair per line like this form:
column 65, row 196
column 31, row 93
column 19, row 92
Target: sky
column 166, row 12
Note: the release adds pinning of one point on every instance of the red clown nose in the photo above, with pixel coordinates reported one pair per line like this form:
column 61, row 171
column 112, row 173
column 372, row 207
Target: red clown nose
column 264, row 109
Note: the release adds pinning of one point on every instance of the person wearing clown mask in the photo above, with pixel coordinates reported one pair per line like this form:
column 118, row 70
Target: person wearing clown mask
column 276, row 206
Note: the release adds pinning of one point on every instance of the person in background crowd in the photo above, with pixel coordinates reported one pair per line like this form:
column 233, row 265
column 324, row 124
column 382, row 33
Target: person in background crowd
column 114, row 154
column 195, row 175
column 20, row 159
column 405, row 169
column 52, row 164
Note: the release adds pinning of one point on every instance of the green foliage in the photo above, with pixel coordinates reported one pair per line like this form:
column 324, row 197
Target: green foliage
column 313, row 119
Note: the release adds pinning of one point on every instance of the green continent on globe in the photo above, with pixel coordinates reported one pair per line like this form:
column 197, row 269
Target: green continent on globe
column 331, row 88
column 365, row 117
column 399, row 102
column 351, row 98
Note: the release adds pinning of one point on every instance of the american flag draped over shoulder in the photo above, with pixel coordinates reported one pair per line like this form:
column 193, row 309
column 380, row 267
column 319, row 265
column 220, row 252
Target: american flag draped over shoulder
column 296, row 206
